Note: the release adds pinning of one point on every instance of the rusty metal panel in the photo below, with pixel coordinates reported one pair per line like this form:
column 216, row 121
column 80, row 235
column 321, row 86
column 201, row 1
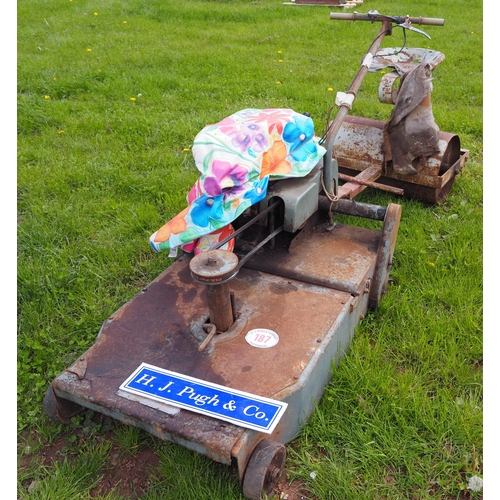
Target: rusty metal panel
column 359, row 145
column 162, row 326
column 308, row 387
column 338, row 257
column 300, row 313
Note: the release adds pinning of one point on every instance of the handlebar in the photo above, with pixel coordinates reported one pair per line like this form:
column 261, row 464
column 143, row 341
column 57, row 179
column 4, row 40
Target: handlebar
column 373, row 16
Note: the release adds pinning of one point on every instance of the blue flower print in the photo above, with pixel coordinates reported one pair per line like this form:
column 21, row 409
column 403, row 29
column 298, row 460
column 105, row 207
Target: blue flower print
column 299, row 134
column 205, row 209
column 258, row 192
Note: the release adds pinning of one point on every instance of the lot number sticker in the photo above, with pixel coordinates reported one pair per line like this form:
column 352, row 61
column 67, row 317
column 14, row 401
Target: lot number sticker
column 261, row 337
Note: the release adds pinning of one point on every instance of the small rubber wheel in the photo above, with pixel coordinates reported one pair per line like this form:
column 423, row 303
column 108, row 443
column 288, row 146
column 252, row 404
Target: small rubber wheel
column 264, row 469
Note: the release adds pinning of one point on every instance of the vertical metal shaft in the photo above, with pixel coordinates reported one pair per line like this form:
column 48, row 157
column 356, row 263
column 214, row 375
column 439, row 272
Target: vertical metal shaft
column 214, row 269
column 219, row 306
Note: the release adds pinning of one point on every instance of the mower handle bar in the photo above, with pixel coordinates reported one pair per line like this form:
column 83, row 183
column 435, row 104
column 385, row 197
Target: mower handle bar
column 373, row 16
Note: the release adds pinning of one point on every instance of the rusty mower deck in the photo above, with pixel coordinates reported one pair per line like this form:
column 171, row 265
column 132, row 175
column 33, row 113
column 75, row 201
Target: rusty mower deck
column 312, row 296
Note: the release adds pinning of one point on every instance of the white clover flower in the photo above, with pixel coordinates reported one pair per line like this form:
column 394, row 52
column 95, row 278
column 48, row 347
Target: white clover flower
column 475, row 483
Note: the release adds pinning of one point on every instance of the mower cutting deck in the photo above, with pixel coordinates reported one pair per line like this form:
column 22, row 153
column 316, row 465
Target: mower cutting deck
column 188, row 358
column 310, row 297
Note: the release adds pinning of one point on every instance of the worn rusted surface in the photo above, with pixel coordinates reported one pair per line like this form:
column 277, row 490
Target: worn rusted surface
column 388, row 89
column 384, row 254
column 351, row 207
column 162, row 325
column 405, row 60
column 214, row 268
column 300, row 313
column 434, row 189
column 358, row 148
column 312, row 296
column 338, row 257
column 359, row 143
column 352, row 189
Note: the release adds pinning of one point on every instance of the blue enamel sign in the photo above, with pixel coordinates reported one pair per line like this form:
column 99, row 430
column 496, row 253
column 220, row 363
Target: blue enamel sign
column 238, row 407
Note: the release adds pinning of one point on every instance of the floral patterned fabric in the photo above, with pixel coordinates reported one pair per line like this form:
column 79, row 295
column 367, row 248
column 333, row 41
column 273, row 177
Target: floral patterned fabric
column 236, row 158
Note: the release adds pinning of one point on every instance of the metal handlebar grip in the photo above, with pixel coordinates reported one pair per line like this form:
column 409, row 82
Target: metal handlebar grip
column 354, row 16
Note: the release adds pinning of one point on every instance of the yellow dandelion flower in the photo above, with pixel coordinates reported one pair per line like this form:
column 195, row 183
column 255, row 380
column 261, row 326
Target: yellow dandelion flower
column 47, row 97
column 279, row 52
column 281, row 60
column 278, row 83
column 96, row 14
column 330, row 89
column 471, row 32
column 132, row 98
column 186, row 149
column 60, row 132
column 89, row 50
column 124, row 22
column 55, row 79
column 431, row 264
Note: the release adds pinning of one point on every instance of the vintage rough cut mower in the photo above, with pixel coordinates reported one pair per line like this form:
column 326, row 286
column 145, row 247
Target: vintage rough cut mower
column 226, row 352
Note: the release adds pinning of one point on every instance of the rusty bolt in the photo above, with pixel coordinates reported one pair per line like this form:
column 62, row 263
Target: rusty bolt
column 275, row 474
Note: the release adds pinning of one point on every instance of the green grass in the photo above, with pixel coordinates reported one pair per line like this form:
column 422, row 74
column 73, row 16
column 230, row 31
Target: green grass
column 108, row 107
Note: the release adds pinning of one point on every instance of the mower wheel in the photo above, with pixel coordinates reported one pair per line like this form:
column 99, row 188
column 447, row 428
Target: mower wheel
column 264, row 468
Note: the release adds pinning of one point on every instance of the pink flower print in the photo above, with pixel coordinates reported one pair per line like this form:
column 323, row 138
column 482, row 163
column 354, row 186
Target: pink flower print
column 225, row 178
column 227, row 126
column 275, row 118
column 195, row 192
